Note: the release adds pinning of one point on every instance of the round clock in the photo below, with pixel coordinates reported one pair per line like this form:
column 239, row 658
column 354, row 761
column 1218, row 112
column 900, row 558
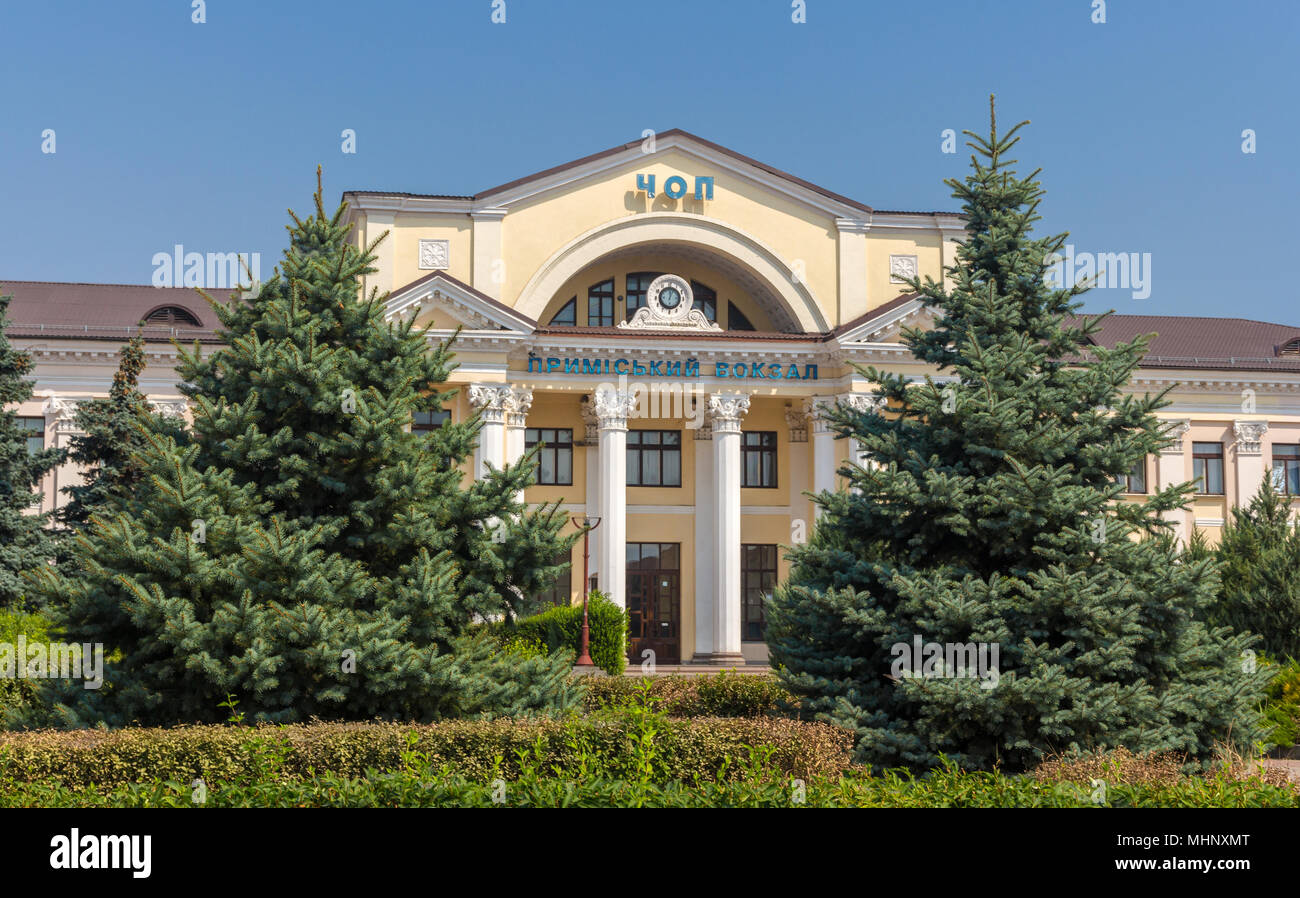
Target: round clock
column 669, row 297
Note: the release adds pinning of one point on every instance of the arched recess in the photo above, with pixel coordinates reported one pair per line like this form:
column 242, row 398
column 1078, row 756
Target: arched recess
column 798, row 309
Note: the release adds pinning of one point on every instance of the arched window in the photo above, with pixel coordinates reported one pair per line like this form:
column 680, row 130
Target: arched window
column 568, row 314
column 736, row 320
column 172, row 316
column 1291, row 347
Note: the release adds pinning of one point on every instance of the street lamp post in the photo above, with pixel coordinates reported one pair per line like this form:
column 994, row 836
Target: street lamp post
column 587, row 524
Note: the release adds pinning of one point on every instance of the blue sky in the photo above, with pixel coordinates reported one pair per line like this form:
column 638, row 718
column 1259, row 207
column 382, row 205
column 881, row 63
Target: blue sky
column 203, row 134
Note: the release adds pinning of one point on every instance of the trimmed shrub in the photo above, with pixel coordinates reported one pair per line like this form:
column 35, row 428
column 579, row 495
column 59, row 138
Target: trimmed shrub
column 702, row 695
column 1282, row 705
column 561, row 628
column 612, row 744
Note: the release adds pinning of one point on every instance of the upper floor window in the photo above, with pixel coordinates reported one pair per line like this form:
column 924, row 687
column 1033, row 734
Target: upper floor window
column 36, row 433
column 638, row 282
column 568, row 314
column 555, row 458
column 1135, row 481
column 1286, row 468
column 758, row 458
column 706, row 300
column 1207, row 468
column 600, row 304
column 654, row 458
column 736, row 320
column 422, row 422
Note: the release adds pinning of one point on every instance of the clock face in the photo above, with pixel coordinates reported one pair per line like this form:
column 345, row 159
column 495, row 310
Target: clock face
column 669, row 297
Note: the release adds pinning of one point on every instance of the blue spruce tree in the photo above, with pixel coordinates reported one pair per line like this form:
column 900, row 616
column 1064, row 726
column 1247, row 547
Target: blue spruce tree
column 300, row 548
column 988, row 512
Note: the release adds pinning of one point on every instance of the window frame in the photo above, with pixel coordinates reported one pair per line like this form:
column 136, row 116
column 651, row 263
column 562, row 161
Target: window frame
column 1202, row 488
column 1140, row 470
column 640, row 449
column 767, row 445
column 35, row 427
column 634, row 299
column 602, row 292
column 747, row 574
column 571, row 307
column 555, row 449
column 1290, row 463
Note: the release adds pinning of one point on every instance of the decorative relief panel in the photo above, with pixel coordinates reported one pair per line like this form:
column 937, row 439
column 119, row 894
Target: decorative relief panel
column 435, row 255
column 902, row 267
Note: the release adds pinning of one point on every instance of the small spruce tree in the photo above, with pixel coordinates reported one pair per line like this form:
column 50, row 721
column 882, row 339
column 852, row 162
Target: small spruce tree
column 1259, row 575
column 112, row 434
column 26, row 542
column 990, row 514
column 302, row 550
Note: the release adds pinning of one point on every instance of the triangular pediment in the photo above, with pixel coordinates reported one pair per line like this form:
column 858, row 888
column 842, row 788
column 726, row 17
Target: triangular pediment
column 885, row 324
column 439, row 297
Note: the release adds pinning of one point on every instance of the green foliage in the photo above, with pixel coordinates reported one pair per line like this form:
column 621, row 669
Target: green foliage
column 990, row 513
column 1282, row 704
column 1259, row 575
column 301, row 549
column 21, row 697
column 703, row 695
column 25, row 542
column 560, row 627
column 587, row 774
column 629, row 743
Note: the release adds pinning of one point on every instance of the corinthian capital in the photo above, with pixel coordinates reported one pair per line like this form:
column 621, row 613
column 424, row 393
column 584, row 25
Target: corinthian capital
column 1250, row 435
column 516, row 405
column 726, row 410
column 613, row 407
column 490, row 400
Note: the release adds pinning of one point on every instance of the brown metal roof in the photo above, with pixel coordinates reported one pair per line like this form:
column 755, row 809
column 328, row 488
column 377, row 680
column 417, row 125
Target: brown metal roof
column 1195, row 342
column 104, row 311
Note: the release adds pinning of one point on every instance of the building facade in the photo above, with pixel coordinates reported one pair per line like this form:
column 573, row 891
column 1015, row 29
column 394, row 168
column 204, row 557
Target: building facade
column 666, row 319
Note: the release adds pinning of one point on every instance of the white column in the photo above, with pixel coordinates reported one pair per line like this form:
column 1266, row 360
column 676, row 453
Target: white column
column 516, row 404
column 490, row 400
column 612, row 408
column 1171, row 469
column 726, row 411
column 1250, row 459
column 705, row 598
column 823, row 446
column 591, row 461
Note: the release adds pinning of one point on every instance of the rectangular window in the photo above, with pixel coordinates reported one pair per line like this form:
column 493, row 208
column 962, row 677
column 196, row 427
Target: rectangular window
column 1136, row 480
column 1286, row 468
column 654, row 458
column 560, row 591
column 36, row 428
column 423, row 422
column 600, row 304
column 555, row 459
column 1207, row 468
column 638, row 282
column 757, row 580
column 758, row 458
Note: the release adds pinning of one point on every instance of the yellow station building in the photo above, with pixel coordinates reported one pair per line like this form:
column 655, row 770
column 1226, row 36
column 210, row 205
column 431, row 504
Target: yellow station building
column 666, row 317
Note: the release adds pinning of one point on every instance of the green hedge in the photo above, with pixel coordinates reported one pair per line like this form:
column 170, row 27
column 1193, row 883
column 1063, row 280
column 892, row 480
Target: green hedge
column 417, row 787
column 614, row 743
column 561, row 627
column 703, row 695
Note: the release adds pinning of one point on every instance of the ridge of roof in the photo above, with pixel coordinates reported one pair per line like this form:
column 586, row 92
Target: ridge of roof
column 672, row 132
